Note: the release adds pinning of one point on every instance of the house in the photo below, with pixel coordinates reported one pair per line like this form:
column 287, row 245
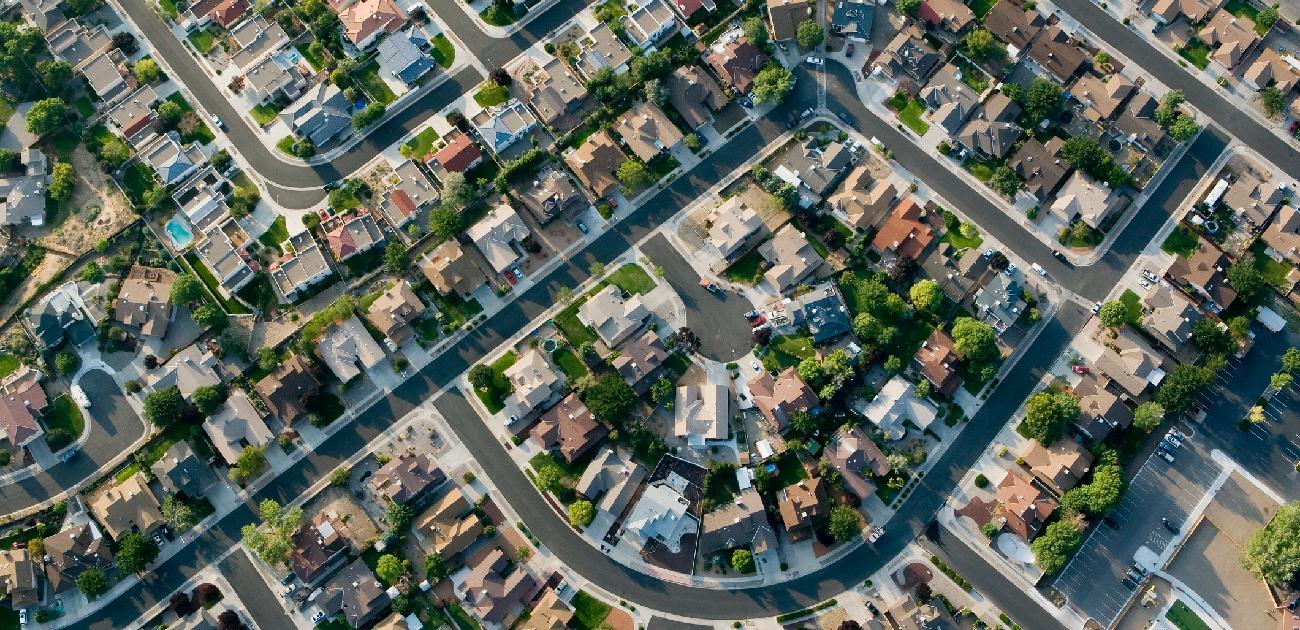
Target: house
column 732, row 227
column 595, row 163
column 936, row 360
column 610, row 480
column 235, row 425
column 499, row 236
column 354, row 235
column 1165, row 12
column 1055, row 51
column 861, row 202
column 737, row 62
column 687, row 8
column 21, row 399
column 823, row 312
column 319, row 548
column 857, row 459
column 320, row 115
column 784, row 17
column 555, row 93
column 1204, row 275
column 1127, row 358
column 1230, row 37
column 1060, row 466
column 275, row 77
column 792, row 258
column 1102, row 97
column 203, row 204
column 412, row 193
column 568, row 430
column 230, row 265
column 180, row 471
column 1101, row 412
column 662, row 515
column 1040, row 166
column 60, row 315
column 1169, row 317
column 852, row 19
column 948, row 15
column 126, row 506
column 896, row 404
column 144, row 301
column 909, row 614
column 702, row 413
column 347, row 349
column 107, row 77
column 254, row 39
column 1271, row 68
column 641, row 361
column 1022, row 508
column 1283, row 233
column 534, row 384
column 1085, row 199
column 288, row 388
column 449, row 524
column 76, row 43
column 740, row 523
column 1000, row 108
column 460, row 154
column 1254, row 201
column 613, row 316
column 988, row 138
column 908, row 56
column 46, row 15
column 451, row 270
column 958, row 276
column 646, row 130
column 1001, row 302
column 695, row 95
column 493, row 595
column 950, row 101
column 364, row 21
column 905, row 234
column 168, row 159
column 777, row 398
column 650, row 23
column 407, row 478
column 552, row 194
column 19, row 579
column 393, row 313
column 72, row 552
column 799, row 504
column 303, row 268
column 401, row 56
column 22, row 196
column 1011, row 23
column 133, row 117
column 549, row 612
column 813, row 168
column 600, row 49
column 188, row 370
column 503, row 125
column 355, row 593
column 224, row 12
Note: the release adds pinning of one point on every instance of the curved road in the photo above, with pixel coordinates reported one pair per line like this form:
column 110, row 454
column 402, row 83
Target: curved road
column 718, row 319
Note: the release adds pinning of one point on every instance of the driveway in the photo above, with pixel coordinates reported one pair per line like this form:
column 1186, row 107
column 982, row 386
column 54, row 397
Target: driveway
column 717, row 318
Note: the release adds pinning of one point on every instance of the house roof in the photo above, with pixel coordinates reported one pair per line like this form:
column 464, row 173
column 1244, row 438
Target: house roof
column 190, row 369
column 364, row 18
column 400, row 54
column 651, row 20
column 1195, row 10
column 1024, row 507
column 907, row 55
column 1169, row 316
column 1206, row 271
column 601, row 49
column 905, row 233
column 458, row 154
column 236, row 424
column 492, row 595
column 864, row 201
column 738, row 62
column 731, row 225
column 857, row 459
column 286, row 387
column 145, row 300
column 320, row 114
column 1040, row 166
column 303, row 268
column 595, row 163
column 1104, row 96
column 1061, row 466
column 993, row 139
column 496, row 234
column 450, row 524
column 613, row 316
column 568, row 429
column 1085, row 199
column 72, row 551
column 356, row 593
column 702, row 413
column 937, row 359
column 347, row 349
column 1001, row 299
column 394, row 310
column 800, row 503
column 736, row 524
column 1100, row 410
column 1055, row 52
column 407, row 477
column 554, row 91
column 646, row 130
column 640, row 359
column 503, row 125
column 1011, row 23
column 533, row 381
column 1283, row 233
column 784, row 17
column 551, row 194
column 1126, row 358
column 450, row 269
column 853, row 18
column 21, row 397
column 695, row 95
column 776, row 398
column 179, row 470
column 896, row 403
column 126, row 506
column 793, row 258
column 661, row 514
column 1230, row 36
column 18, row 579
column 354, row 235
column 318, row 545
column 228, row 12
column 610, row 480
column 548, row 613
column 951, row 15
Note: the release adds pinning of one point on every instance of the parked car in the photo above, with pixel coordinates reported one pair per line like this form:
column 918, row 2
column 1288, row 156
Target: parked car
column 158, row 538
column 1169, row 525
column 22, row 616
column 758, row 367
column 582, row 227
column 1081, row 369
column 1096, row 308
column 1134, row 575
column 757, row 321
column 1056, row 253
column 1039, row 269
column 848, row 50
column 1150, row 276
column 816, row 61
column 217, row 121
column 1011, row 269
column 848, row 120
column 752, row 315
column 1165, row 455
column 510, row 277
column 518, row 274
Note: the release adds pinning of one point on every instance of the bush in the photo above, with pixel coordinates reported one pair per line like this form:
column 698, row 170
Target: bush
column 981, row 481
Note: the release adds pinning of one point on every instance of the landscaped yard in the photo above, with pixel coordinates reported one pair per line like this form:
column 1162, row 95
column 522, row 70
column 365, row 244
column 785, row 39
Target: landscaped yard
column 203, row 40
column 1275, row 272
column 9, row 364
column 981, row 8
column 955, row 238
column 275, row 234
column 137, row 179
column 788, row 471
column 460, row 617
column 1243, row 9
column 422, row 144
column 632, row 278
column 495, row 395
column 971, row 75
column 84, row 106
column 285, row 145
column 368, row 77
column 588, row 612
column 65, row 415
column 200, row 132
column 494, row 15
column 1196, row 52
column 747, row 269
column 982, row 170
column 312, row 58
column 574, row 330
column 1182, row 242
column 169, row 8
column 264, row 114
column 910, row 111
column 491, row 94
column 787, row 350
column 569, row 363
column 1133, row 305
column 234, row 307
column 1184, row 618
column 443, row 52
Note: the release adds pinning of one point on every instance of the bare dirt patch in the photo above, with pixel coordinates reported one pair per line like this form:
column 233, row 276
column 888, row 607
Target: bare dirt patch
column 97, row 210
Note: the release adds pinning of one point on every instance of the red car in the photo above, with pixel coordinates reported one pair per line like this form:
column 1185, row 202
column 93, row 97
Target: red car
column 758, row 321
column 1081, row 369
column 510, row 277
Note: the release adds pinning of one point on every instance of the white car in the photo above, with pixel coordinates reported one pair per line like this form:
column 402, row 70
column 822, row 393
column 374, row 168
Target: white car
column 1166, row 456
column 1011, row 269
column 22, row 616
column 319, row 615
column 816, row 61
column 1039, row 269
column 1150, row 276
column 1096, row 308
column 1144, row 284
column 758, row 367
column 79, row 396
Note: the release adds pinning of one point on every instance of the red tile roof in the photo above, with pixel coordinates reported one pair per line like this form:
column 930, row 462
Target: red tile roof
column 458, row 154
column 403, row 202
column 229, row 11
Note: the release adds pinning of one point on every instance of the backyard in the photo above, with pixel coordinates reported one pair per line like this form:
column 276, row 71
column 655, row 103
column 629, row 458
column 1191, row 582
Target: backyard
column 574, row 330
column 910, row 111
column 9, row 364
column 747, row 269
column 787, row 350
column 569, row 363
column 494, row 396
column 1275, row 272
column 373, row 84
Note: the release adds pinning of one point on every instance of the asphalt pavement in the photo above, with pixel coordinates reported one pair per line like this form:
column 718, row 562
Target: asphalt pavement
column 717, row 318
column 259, row 602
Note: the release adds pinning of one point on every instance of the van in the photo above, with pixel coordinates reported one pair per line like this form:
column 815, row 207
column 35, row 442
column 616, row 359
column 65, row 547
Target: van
column 1039, row 269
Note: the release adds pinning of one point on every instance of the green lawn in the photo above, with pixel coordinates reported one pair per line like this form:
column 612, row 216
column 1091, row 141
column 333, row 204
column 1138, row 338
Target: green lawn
column 1274, row 272
column 456, row 310
column 816, row 243
column 910, row 111
column 971, row 75
column 84, row 106
column 1243, row 9
column 981, row 8
column 747, row 269
column 787, row 350
column 443, row 52
column 955, row 238
column 264, row 114
column 203, row 40
column 462, row 619
column 422, row 144
column 275, row 234
column 678, row 363
column 168, row 8
column 200, row 133
column 1133, row 305
column 64, row 414
column 1196, row 52
column 316, row 62
column 981, row 169
column 9, row 364
column 497, row 16
column 494, row 397
column 1182, row 242
column 137, row 179
column 368, row 77
column 632, row 278
column 574, row 330
column 491, row 94
column 1183, row 617
column 569, row 363
column 285, row 145
column 788, row 470
column 588, row 612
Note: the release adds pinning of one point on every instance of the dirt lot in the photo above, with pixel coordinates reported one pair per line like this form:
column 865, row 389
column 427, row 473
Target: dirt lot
column 96, row 211
column 342, row 502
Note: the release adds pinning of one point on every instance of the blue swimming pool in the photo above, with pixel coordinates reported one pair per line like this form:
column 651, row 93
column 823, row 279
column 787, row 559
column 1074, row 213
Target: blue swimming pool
column 179, row 232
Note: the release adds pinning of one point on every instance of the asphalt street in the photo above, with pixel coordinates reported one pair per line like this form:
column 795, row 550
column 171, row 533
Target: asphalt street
column 1005, row 595
column 718, row 319
column 260, row 604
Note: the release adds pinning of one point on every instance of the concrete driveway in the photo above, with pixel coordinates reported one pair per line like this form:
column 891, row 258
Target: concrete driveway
column 718, row 318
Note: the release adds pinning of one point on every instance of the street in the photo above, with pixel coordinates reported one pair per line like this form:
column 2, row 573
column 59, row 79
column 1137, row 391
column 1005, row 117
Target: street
column 717, row 318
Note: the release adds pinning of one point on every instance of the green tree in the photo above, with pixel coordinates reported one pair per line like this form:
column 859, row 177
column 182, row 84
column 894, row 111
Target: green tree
column 66, row 363
column 399, row 515
column 208, row 397
column 1101, row 59
column 1291, row 360
column 1047, row 413
column 846, row 523
column 340, row 476
column 482, row 376
column 772, row 84
column 134, row 552
column 368, row 116
column 1005, row 180
column 926, row 295
column 272, row 539
column 809, row 34
column 169, row 112
column 1056, row 545
column 444, row 222
column 581, row 513
column 1273, row 100
column 1265, row 19
column 908, row 7
column 979, row 44
column 268, row 358
column 188, row 290
column 9, row 160
column 46, row 115
column 1148, row 415
column 634, row 174
column 1184, row 128
column 742, row 561
column 92, row 583
column 389, row 569
column 1181, row 385
column 1280, row 380
column 809, row 370
column 802, row 422
column 1246, row 279
column 610, row 399
column 1042, row 99
column 250, row 464
column 209, row 316
column 146, row 71
column 55, row 73
column 435, row 567
column 1100, row 495
column 177, row 514
column 974, row 340
column 1273, row 552
column 395, row 257
column 1113, row 314
column 1168, row 110
column 661, row 391
column 755, row 31
column 164, row 406
column 1207, row 336
column 550, row 479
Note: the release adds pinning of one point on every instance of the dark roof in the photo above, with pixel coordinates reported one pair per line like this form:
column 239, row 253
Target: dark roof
column 180, row 470
column 828, row 318
column 1011, row 23
column 853, row 18
column 1055, row 52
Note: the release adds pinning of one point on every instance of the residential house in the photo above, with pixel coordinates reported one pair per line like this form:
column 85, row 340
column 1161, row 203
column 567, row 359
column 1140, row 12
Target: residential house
column 1085, row 199
column 908, row 57
column 732, row 227
column 366, row 20
column 1022, row 508
column 812, row 168
column 641, row 361
column 1056, row 52
column 169, row 160
column 534, row 386
column 1040, row 166
column 76, row 43
column 1272, row 69
column 412, row 193
column 221, row 12
column 1164, row 12
column 21, row 399
column 188, row 370
column 460, row 154
column 688, row 8
column 144, row 301
column 950, row 16
column 991, row 139
column 451, row 270
column 126, row 506
column 319, row 548
column 649, row 23
column 646, row 130
column 857, row 459
column 551, row 194
column 862, row 202
column 133, row 117
column 600, row 49
column 288, row 388
column 449, row 524
column 500, row 235
column 950, row 101
column 1000, row 108
column 936, row 360
column 60, row 315
column 72, row 552
column 777, row 398
column 275, row 77
column 401, row 56
column 662, row 514
column 1254, row 201
column 1204, row 275
column 799, row 504
column 1060, row 466
column 550, row 612
column 1101, row 412
column 303, row 268
column 595, row 163
column 355, row 593
column 236, row 424
column 823, row 311
column 320, row 115
column 1102, row 97
column 1283, row 233
column 909, row 614
column 702, row 413
column 568, row 430
column 180, row 471
column 1231, row 38
column 353, row 236
column 905, row 234
column 740, row 523
column 503, row 125
column 610, row 480
column 229, row 264
column 695, row 95
column 106, row 73
column 22, row 197
column 792, row 258
column 347, row 349
column 407, row 478
column 1011, row 23
column 852, row 19
column 784, row 17
column 958, row 276
column 19, row 579
column 495, row 595
column 1169, row 317
column 254, row 39
column 555, row 93
column 1000, row 303
column 393, row 312
column 897, row 404
column 1127, row 358
column 46, row 15
column 737, row 62
column 613, row 316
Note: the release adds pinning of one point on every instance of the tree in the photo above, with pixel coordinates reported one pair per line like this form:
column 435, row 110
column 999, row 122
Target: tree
column 399, row 515
column 581, row 513
column 661, row 391
column 1181, row 385
column 1207, row 336
column 1291, row 360
column 369, row 115
column 803, row 422
column 187, row 289
column 169, row 113
column 164, row 406
column 209, row 316
column 772, row 84
column 1083, row 152
column 634, row 174
column 207, row 398
column 809, row 34
column 1148, row 415
column 991, row 530
column 444, row 222
column 1265, row 19
column 809, row 370
column 66, row 363
column 1113, row 314
column 1168, row 110
column 1280, row 381
column 610, row 399
column 1100, row 495
column 177, row 514
column 1273, row 552
column 482, row 376
column 1042, row 99
column 1056, row 545
column 974, row 340
column 273, row 538
column 923, row 593
column 742, row 560
column 92, row 582
column 395, row 257
column 146, row 71
column 9, row 160
column 134, row 552
column 1101, row 59
column 46, row 115
column 340, row 476
column 1246, row 279
column 435, row 567
column 926, row 295
column 846, row 523
column 389, row 569
column 181, row 604
column 250, row 464
column 1184, row 128
column 268, row 358
column 980, row 44
column 229, row 619
column 55, row 73
column 656, row 92
column 1273, row 100
column 550, row 479
column 755, row 31
column 1005, row 180
column 1047, row 413
column 907, row 7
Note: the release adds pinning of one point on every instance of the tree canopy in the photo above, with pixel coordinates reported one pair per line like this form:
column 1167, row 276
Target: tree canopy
column 772, row 84
column 926, row 295
column 134, row 552
column 1113, row 314
column 1047, row 413
column 809, row 34
column 581, row 513
column 1273, row 552
column 164, row 406
column 974, row 340
column 272, row 540
column 846, row 523
column 1100, row 495
column 1056, row 545
column 1148, row 416
column 46, row 115
column 610, row 399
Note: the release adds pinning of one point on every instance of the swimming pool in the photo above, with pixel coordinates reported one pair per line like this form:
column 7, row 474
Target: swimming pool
column 179, row 232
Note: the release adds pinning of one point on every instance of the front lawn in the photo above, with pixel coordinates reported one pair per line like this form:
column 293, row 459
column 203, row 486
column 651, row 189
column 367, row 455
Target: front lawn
column 787, row 350
column 64, row 414
column 569, row 363
column 285, row 145
column 981, row 169
column 1181, row 242
column 199, row 132
column 276, row 234
column 910, row 111
column 373, row 84
column 1196, row 52
column 574, row 330
column 443, row 52
column 588, row 612
column 491, row 94
column 494, row 15
column 168, row 8
column 9, row 364
column 264, row 115
column 422, row 144
column 1275, row 272
column 1133, row 306
column 632, row 278
column 953, row 236
column 203, row 40
column 747, row 269
column 494, row 396
column 1185, row 618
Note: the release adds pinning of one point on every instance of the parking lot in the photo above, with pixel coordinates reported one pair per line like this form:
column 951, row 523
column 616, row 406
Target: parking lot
column 1092, row 580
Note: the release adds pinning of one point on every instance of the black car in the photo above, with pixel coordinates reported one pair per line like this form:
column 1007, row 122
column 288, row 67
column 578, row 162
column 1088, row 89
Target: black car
column 1169, row 525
